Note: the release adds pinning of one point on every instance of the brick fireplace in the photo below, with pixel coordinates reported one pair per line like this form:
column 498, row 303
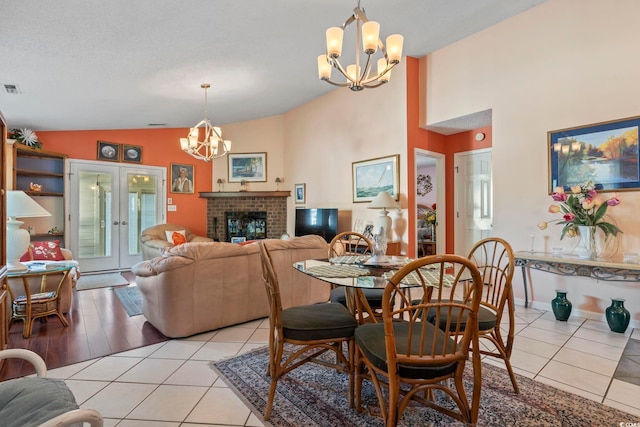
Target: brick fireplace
column 274, row 203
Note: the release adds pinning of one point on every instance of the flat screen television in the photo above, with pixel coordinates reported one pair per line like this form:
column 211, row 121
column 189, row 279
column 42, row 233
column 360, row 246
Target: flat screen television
column 323, row 222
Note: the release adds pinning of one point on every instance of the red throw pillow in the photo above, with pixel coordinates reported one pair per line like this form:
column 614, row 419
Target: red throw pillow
column 178, row 238
column 28, row 256
column 47, row 251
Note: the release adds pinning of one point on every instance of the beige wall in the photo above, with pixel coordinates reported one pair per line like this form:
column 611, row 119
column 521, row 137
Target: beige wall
column 324, row 136
column 254, row 136
column 561, row 64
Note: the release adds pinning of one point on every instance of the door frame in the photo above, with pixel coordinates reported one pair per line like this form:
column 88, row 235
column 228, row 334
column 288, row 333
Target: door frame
column 441, row 223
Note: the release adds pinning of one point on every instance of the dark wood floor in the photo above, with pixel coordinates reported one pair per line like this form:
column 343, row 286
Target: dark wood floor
column 98, row 326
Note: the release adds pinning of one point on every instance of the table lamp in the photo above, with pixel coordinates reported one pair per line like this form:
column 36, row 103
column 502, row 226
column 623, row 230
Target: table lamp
column 19, row 205
column 383, row 201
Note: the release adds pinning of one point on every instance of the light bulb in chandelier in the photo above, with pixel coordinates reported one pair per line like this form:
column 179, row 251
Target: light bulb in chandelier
column 211, row 145
column 361, row 74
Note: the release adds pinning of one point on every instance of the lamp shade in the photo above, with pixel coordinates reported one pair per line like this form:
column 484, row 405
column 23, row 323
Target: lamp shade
column 19, row 205
column 383, row 200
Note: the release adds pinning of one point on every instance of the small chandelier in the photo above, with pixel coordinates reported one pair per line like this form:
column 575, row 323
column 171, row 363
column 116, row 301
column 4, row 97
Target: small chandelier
column 207, row 148
column 368, row 33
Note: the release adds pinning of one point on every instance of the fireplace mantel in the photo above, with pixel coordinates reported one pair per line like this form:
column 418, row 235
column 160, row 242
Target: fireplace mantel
column 237, row 194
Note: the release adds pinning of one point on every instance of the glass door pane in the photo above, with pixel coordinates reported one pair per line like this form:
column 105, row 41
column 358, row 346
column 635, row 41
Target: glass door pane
column 142, row 210
column 94, row 214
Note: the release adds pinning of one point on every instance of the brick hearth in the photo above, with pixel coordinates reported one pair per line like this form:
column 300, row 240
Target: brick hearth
column 272, row 202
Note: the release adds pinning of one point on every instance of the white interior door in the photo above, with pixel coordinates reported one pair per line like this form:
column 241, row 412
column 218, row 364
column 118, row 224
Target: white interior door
column 109, row 205
column 474, row 199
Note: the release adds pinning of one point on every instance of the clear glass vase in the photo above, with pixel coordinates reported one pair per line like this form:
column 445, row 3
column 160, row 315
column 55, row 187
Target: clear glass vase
column 587, row 248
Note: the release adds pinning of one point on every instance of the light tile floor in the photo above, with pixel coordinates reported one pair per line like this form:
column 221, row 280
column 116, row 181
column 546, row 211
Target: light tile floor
column 170, row 384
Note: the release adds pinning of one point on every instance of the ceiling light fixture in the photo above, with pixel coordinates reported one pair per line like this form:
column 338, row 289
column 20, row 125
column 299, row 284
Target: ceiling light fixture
column 368, row 34
column 208, row 148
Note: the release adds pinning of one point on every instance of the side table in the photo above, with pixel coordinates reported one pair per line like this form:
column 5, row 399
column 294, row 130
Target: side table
column 28, row 307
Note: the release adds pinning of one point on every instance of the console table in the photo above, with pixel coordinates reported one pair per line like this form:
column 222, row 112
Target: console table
column 571, row 265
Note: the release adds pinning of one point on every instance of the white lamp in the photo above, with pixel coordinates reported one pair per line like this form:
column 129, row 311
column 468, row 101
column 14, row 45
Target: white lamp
column 384, row 201
column 19, row 205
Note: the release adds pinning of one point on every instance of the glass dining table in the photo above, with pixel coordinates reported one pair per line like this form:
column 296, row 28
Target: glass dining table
column 356, row 273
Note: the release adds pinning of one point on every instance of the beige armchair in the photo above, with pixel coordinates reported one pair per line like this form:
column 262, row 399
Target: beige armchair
column 154, row 238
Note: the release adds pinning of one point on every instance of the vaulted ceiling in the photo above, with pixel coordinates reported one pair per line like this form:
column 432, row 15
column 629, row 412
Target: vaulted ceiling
column 123, row 64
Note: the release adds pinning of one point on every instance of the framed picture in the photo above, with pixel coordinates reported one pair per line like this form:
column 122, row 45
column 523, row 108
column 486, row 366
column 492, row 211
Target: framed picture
column 606, row 153
column 131, row 153
column 299, row 190
column 238, row 239
column 109, row 151
column 370, row 177
column 181, row 178
column 250, row 167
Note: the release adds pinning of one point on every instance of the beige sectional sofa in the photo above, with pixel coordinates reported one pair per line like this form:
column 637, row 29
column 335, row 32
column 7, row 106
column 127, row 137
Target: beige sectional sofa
column 199, row 287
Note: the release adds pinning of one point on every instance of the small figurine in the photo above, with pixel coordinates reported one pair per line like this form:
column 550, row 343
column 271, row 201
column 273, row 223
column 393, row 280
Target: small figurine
column 36, row 188
column 54, row 230
column 243, row 185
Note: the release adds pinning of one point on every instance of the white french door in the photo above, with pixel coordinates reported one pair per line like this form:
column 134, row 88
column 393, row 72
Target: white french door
column 109, row 205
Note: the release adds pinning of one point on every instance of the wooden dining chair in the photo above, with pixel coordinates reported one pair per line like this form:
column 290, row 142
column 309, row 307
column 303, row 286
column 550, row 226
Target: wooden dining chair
column 312, row 329
column 351, row 243
column 411, row 358
column 495, row 260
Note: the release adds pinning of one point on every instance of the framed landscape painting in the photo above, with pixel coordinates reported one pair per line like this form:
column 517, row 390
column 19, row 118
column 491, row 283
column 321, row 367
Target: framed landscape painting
column 249, row 167
column 370, row 177
column 606, row 153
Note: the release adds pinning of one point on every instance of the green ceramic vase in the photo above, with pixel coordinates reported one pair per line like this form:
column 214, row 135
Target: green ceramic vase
column 618, row 317
column 561, row 306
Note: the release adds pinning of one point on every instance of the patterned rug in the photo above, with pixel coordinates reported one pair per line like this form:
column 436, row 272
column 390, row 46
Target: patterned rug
column 313, row 395
column 131, row 299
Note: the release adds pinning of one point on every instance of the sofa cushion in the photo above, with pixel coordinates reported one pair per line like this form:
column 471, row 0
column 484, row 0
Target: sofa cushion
column 32, row 401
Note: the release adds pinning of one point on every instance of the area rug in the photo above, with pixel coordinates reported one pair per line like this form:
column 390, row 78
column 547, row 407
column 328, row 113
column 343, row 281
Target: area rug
column 313, row 395
column 131, row 299
column 95, row 281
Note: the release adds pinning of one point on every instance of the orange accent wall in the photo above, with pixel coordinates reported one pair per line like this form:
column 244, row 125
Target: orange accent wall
column 427, row 140
column 160, row 147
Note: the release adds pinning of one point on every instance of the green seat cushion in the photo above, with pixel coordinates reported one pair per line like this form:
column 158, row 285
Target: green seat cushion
column 370, row 339
column 318, row 322
column 31, row 401
column 486, row 318
column 374, row 296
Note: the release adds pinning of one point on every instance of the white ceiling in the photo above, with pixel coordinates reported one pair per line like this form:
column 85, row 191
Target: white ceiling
column 125, row 64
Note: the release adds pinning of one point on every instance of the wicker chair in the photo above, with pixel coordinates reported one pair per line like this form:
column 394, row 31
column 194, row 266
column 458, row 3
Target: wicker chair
column 352, row 243
column 41, row 401
column 411, row 358
column 312, row 330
